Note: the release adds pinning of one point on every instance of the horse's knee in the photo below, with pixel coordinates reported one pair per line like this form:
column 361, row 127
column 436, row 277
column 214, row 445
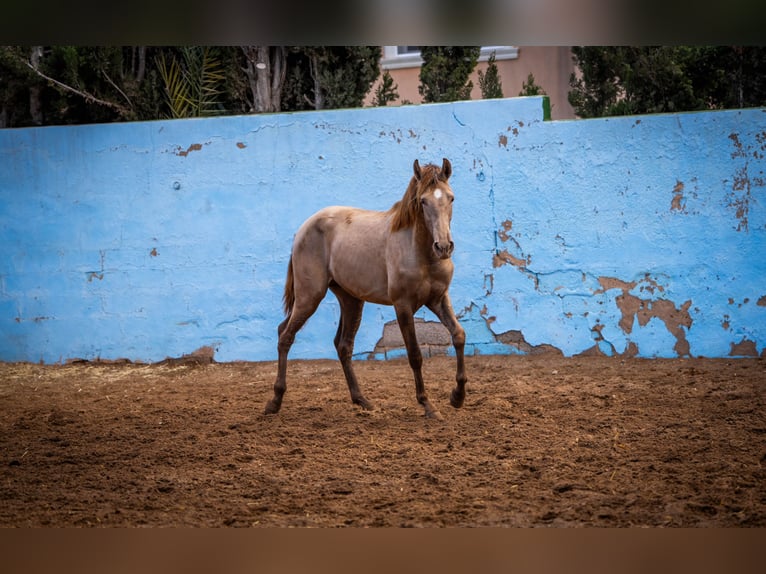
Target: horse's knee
column 458, row 337
column 282, row 325
column 285, row 341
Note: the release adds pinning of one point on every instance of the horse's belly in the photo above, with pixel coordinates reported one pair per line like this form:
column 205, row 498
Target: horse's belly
column 363, row 282
column 361, row 271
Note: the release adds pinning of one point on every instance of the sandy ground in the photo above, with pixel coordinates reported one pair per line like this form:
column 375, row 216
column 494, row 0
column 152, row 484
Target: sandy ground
column 541, row 441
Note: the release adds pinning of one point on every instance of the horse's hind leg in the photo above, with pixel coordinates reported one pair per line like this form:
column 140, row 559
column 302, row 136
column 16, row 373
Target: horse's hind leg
column 304, row 306
column 350, row 318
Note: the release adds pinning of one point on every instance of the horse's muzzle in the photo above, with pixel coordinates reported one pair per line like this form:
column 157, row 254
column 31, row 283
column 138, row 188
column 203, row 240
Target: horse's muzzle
column 444, row 250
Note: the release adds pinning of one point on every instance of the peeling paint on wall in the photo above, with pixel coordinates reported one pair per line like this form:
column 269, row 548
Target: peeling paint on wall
column 745, row 178
column 635, row 309
column 678, row 203
column 184, row 152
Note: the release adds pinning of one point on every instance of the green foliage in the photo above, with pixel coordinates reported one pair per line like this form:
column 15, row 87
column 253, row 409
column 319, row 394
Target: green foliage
column 489, row 82
column 445, row 72
column 530, row 88
column 76, row 84
column 45, row 85
column 15, row 82
column 193, row 82
column 348, row 74
column 618, row 80
column 329, row 77
column 386, row 91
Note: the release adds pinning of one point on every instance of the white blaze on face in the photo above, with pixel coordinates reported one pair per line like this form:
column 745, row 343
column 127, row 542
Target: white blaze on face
column 438, row 193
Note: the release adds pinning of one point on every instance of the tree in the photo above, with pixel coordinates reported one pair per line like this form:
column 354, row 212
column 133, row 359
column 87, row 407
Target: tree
column 343, row 75
column 16, row 84
column 530, row 88
column 489, row 82
column 386, row 91
column 330, row 77
column 731, row 76
column 445, row 72
column 652, row 79
column 44, row 85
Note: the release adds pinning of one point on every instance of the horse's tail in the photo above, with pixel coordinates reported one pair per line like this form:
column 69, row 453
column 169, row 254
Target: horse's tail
column 289, row 297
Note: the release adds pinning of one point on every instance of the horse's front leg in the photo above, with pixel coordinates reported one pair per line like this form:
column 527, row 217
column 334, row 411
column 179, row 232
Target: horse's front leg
column 404, row 316
column 443, row 310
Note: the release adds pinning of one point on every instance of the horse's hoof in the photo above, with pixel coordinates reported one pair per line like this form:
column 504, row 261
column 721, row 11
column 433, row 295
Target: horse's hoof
column 364, row 404
column 272, row 408
column 456, row 400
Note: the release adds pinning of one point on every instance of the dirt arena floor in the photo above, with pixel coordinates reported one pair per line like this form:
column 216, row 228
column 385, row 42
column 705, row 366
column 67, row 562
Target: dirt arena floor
column 541, row 441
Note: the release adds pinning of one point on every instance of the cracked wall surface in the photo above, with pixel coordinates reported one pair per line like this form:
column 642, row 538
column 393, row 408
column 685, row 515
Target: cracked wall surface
column 615, row 236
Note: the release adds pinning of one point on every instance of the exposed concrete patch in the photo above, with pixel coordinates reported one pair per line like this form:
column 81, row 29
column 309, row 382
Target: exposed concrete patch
column 433, row 337
column 745, row 348
column 507, row 225
column 202, row 356
column 678, row 203
column 743, row 181
column 503, row 257
column 91, row 275
column 193, row 147
column 513, row 339
column 516, row 340
column 643, row 310
column 762, row 301
column 608, row 283
column 489, row 283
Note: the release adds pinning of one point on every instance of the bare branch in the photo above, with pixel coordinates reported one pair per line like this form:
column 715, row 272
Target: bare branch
column 116, row 87
column 88, row 97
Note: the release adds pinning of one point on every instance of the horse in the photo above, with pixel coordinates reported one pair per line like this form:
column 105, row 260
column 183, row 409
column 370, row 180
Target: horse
column 399, row 257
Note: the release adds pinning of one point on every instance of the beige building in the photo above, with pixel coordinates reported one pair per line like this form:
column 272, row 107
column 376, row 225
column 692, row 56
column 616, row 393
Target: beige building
column 550, row 65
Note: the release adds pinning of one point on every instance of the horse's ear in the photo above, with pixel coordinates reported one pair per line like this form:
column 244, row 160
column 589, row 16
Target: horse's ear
column 416, row 169
column 446, row 168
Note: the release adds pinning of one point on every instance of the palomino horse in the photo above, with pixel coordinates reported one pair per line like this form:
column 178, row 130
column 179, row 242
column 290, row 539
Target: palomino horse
column 399, row 257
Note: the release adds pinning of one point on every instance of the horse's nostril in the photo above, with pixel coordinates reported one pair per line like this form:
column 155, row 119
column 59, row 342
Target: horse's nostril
column 444, row 250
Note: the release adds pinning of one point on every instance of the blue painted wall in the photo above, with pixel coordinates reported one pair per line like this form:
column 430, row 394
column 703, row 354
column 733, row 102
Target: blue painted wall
column 636, row 235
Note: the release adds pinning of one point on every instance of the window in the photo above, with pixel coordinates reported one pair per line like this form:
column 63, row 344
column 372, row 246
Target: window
column 396, row 57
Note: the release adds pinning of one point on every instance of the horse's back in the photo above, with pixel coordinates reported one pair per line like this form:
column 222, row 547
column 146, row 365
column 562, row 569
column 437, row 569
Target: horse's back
column 341, row 227
column 350, row 244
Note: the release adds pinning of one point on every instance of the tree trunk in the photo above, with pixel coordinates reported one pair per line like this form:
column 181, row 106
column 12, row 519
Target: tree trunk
column 141, row 64
column 318, row 95
column 35, row 89
column 266, row 70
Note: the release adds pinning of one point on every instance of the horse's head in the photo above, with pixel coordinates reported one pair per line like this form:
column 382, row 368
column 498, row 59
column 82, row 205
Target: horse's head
column 435, row 198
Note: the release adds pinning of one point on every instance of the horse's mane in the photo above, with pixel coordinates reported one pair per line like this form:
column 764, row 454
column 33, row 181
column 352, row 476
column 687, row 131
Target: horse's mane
column 406, row 212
